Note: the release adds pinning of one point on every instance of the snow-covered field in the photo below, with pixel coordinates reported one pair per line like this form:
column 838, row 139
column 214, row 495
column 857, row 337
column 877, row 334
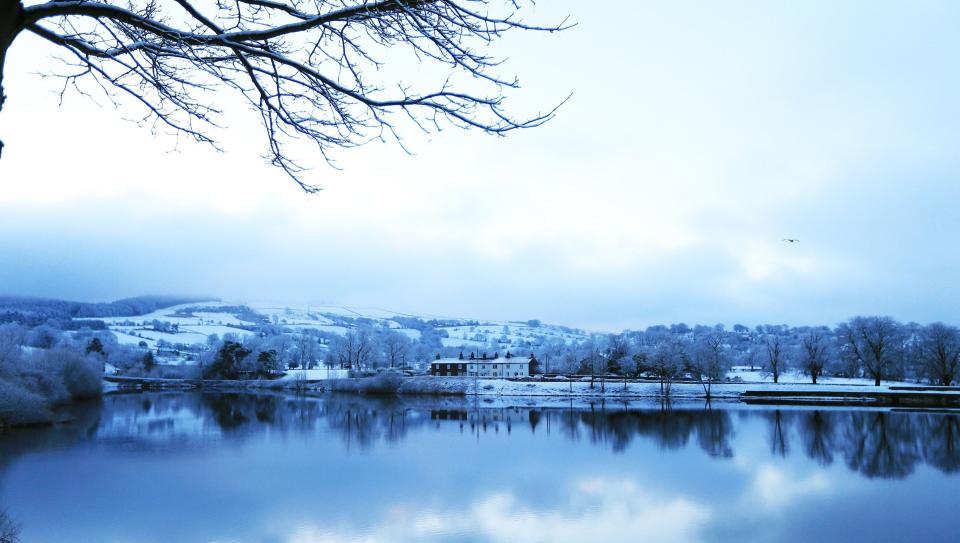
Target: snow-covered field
column 188, row 335
column 756, row 375
column 196, row 321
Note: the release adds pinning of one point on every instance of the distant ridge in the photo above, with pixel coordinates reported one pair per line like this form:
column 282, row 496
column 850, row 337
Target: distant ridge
column 35, row 310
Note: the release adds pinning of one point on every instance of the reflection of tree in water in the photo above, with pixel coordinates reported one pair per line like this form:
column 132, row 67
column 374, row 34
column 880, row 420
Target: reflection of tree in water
column 364, row 423
column 670, row 429
column 779, row 442
column 229, row 410
column 714, row 430
column 941, row 438
column 360, row 422
column 816, row 435
column 881, row 444
column 887, row 444
column 873, row 443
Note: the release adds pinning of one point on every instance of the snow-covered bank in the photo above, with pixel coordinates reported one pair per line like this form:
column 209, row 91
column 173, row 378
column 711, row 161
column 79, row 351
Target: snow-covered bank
column 781, row 393
column 551, row 392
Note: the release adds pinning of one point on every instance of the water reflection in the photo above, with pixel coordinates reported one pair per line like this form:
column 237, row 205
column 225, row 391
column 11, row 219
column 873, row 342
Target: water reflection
column 335, row 468
column 873, row 443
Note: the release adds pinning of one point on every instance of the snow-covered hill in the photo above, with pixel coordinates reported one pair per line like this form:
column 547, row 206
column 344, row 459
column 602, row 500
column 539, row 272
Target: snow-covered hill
column 190, row 325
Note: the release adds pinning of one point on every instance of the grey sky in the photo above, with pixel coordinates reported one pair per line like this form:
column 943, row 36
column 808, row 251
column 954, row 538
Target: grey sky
column 698, row 136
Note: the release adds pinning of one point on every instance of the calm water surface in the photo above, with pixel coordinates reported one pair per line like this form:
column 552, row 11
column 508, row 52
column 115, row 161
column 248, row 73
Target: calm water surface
column 190, row 467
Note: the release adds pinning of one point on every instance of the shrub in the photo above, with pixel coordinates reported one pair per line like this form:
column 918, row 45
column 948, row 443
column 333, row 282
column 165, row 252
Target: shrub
column 81, row 378
column 20, row 407
column 434, row 386
column 46, row 384
column 384, row 383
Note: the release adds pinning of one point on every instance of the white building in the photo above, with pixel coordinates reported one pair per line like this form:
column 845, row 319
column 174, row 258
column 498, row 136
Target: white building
column 501, row 368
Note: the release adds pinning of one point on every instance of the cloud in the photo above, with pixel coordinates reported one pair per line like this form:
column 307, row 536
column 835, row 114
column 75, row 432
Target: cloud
column 696, row 138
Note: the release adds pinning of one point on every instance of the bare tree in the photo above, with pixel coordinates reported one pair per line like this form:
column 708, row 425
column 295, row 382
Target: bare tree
column 306, row 351
column 9, row 530
column 354, row 350
column 873, row 343
column 775, row 362
column 396, row 347
column 709, row 363
column 552, row 352
column 667, row 364
column 814, row 355
column 311, row 68
column 940, row 353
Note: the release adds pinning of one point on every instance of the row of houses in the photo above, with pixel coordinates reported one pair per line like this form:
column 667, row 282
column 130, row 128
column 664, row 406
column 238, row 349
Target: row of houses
column 490, row 368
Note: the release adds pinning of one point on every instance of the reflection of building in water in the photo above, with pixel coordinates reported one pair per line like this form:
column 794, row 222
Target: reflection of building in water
column 448, row 414
column 480, row 418
column 484, row 367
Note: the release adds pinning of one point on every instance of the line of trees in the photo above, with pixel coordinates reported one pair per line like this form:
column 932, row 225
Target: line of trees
column 873, row 347
column 877, row 348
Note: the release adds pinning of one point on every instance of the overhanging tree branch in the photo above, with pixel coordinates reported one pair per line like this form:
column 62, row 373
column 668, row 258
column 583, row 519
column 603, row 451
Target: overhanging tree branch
column 310, row 67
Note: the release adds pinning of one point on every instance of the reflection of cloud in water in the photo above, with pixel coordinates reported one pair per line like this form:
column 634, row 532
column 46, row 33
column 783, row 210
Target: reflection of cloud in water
column 774, row 488
column 597, row 510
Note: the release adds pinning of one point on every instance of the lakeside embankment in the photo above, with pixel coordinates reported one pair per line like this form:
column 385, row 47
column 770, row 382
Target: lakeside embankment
column 895, row 394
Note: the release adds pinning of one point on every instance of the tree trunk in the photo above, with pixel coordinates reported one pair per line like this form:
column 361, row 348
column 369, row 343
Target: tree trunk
column 11, row 22
column 876, row 380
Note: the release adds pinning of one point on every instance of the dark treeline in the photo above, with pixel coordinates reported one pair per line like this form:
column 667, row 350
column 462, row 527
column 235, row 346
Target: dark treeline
column 36, row 311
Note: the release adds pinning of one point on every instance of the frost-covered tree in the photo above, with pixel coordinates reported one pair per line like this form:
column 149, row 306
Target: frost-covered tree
column 327, row 71
column 616, row 352
column 814, row 354
column 775, row 361
column 354, row 350
column 939, row 353
column 13, row 336
column 551, row 355
column 873, row 343
column 306, row 351
column 709, row 363
column 396, row 348
column 666, row 364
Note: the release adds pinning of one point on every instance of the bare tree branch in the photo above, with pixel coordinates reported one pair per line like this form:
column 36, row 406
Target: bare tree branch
column 305, row 65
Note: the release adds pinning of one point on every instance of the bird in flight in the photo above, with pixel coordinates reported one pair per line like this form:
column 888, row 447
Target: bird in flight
column 791, row 240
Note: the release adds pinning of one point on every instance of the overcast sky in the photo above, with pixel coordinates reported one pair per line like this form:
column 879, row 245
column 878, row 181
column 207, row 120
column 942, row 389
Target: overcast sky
column 699, row 134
